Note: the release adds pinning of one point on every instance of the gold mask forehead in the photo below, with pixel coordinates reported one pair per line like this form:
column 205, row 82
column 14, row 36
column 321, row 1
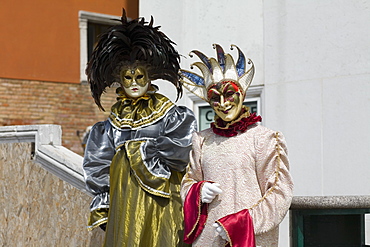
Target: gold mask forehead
column 131, row 75
column 222, row 85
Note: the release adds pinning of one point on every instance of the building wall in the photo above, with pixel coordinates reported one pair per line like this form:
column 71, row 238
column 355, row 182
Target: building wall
column 37, row 208
column 40, row 65
column 40, row 40
column 67, row 104
column 317, row 91
column 313, row 60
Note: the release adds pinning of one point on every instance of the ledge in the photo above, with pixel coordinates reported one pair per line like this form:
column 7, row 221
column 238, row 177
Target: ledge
column 330, row 202
column 48, row 151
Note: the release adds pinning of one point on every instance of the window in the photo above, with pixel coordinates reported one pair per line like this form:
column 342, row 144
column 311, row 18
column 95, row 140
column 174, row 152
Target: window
column 91, row 25
column 93, row 31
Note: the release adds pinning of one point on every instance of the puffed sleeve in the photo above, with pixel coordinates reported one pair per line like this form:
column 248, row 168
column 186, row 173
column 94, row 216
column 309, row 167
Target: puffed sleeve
column 98, row 156
column 275, row 181
column 159, row 148
column 171, row 148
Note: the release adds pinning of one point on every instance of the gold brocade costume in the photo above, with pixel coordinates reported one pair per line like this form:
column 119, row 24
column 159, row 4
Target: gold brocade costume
column 147, row 141
column 131, row 206
column 140, row 112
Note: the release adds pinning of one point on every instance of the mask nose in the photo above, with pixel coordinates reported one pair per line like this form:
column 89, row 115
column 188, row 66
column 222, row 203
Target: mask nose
column 223, row 103
column 134, row 82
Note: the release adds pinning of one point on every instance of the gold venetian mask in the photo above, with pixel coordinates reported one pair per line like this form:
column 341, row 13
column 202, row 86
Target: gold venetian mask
column 226, row 100
column 135, row 81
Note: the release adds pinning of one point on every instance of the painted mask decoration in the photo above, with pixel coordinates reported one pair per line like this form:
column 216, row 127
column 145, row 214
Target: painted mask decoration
column 226, row 100
column 135, row 81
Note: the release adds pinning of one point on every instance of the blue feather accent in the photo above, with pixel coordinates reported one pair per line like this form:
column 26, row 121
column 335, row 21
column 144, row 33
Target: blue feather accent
column 193, row 77
column 204, row 59
column 220, row 56
column 240, row 65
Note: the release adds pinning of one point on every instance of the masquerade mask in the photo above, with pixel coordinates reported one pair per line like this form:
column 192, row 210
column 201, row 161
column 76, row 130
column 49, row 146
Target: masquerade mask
column 226, row 100
column 135, row 81
column 137, row 75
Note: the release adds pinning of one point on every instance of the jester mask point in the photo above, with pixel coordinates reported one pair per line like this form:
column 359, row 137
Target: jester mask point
column 223, row 84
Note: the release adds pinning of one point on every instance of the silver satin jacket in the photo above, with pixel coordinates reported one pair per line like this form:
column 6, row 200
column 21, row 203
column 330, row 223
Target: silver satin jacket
column 167, row 146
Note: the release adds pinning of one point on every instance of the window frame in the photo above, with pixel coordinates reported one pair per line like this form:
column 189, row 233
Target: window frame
column 84, row 18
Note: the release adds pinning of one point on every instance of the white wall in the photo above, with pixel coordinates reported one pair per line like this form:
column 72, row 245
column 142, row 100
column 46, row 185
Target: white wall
column 317, row 60
column 313, row 58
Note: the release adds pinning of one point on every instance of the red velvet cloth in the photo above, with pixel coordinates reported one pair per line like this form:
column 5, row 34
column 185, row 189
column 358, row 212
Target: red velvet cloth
column 233, row 129
column 195, row 213
column 239, row 228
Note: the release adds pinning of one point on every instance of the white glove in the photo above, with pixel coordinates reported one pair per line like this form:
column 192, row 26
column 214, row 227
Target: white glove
column 221, row 231
column 210, row 191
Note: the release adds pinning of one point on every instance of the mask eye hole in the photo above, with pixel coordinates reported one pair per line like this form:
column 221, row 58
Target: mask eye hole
column 215, row 98
column 140, row 77
column 229, row 94
column 127, row 77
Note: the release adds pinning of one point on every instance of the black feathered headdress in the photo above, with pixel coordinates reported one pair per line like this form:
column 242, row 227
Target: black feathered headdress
column 133, row 42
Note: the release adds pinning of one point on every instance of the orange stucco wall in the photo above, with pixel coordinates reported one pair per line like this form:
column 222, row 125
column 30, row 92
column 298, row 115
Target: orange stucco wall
column 40, row 39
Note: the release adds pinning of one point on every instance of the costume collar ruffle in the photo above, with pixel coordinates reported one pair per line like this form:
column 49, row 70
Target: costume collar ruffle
column 229, row 129
column 136, row 113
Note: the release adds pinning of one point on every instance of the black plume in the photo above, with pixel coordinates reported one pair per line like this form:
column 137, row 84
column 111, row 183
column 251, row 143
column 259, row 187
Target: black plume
column 136, row 41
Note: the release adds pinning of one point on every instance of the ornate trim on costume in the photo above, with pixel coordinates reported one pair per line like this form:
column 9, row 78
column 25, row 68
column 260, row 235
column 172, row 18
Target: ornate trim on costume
column 97, row 223
column 277, row 171
column 193, row 206
column 150, row 189
column 140, row 112
column 97, row 207
column 97, row 217
column 154, row 185
column 229, row 129
column 239, row 229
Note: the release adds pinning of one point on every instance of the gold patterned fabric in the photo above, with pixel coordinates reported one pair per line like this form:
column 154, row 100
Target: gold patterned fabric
column 135, row 113
column 98, row 217
column 158, row 186
column 130, row 206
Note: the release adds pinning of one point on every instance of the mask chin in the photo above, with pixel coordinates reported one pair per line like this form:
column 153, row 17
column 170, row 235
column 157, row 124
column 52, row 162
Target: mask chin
column 232, row 114
column 135, row 90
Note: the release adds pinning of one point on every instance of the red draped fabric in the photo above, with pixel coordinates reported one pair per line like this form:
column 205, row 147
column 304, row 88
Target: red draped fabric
column 195, row 213
column 239, row 228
